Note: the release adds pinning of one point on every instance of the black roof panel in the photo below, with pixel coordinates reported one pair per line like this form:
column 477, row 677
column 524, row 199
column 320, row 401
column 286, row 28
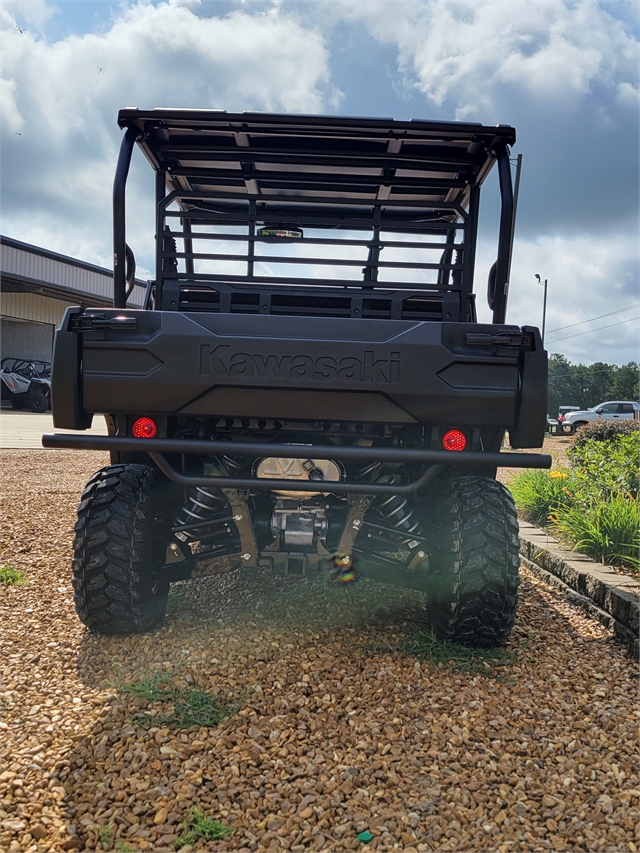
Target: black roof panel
column 322, row 160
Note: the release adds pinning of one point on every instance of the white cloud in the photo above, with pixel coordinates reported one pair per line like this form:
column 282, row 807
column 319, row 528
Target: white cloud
column 471, row 54
column 628, row 93
column 34, row 13
column 587, row 277
column 62, row 99
column 9, row 113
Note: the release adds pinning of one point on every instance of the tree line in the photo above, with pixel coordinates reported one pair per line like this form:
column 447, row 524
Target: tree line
column 586, row 385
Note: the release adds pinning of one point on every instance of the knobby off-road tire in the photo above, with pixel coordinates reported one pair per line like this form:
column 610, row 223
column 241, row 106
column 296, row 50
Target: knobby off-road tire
column 119, row 550
column 475, row 560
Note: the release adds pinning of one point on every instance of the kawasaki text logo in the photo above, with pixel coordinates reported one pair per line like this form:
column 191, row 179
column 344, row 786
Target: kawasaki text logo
column 218, row 361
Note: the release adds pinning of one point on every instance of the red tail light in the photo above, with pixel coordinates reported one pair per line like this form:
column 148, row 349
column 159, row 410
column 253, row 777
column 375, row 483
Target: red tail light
column 454, row 440
column 144, row 428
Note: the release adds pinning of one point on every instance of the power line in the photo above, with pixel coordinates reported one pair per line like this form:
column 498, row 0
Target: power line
column 571, row 325
column 590, row 331
column 612, row 367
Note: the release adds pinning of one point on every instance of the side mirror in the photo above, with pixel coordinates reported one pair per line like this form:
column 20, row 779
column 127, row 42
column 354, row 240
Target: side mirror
column 491, row 286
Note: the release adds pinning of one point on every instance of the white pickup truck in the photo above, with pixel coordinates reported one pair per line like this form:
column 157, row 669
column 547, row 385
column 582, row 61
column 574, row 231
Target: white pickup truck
column 611, row 411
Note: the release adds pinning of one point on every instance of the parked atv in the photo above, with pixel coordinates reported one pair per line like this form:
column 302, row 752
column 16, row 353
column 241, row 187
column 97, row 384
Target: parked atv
column 26, row 384
column 307, row 386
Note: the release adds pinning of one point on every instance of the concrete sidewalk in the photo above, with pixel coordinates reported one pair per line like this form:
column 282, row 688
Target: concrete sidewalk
column 24, row 430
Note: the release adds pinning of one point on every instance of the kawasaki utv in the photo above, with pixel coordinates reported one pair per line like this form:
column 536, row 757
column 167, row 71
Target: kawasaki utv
column 306, row 386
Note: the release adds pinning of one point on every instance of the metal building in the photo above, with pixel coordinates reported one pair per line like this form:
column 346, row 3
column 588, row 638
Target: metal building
column 36, row 287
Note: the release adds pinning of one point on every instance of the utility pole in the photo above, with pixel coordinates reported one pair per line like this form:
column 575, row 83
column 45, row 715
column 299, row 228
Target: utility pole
column 544, row 305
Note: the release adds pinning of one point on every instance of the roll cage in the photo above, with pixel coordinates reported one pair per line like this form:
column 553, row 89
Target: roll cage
column 386, row 212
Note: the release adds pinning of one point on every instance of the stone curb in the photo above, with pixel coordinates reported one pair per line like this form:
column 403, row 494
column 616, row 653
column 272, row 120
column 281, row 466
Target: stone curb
column 611, row 598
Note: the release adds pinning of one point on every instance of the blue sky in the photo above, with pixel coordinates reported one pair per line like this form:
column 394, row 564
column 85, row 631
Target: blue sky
column 565, row 74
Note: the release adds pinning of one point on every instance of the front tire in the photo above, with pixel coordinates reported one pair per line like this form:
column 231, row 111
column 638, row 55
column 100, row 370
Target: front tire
column 38, row 402
column 475, row 561
column 572, row 429
column 119, row 548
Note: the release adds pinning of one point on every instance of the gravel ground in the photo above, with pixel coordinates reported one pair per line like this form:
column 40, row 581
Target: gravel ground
column 333, row 737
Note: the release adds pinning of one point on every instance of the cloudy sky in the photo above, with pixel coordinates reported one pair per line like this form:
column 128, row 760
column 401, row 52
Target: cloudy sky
column 564, row 73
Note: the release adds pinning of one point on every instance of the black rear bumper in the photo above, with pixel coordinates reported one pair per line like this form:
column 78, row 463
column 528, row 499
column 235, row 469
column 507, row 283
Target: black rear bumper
column 159, row 448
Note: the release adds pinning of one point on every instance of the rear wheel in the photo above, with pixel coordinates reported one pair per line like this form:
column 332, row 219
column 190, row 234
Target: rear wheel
column 119, row 549
column 474, row 562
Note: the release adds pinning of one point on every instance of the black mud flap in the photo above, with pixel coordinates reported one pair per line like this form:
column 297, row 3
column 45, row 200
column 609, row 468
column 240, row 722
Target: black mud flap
column 531, row 419
column 66, row 402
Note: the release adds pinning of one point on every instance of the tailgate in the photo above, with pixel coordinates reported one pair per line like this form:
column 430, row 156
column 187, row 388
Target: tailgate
column 312, row 368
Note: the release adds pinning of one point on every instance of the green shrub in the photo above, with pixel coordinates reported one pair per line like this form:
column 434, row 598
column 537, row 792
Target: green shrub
column 605, row 431
column 538, row 493
column 602, row 469
column 594, row 505
column 608, row 531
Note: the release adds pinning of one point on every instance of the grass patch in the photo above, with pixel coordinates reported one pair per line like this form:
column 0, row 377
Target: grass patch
column 185, row 707
column 178, row 597
column 106, row 838
column 10, row 576
column 196, row 826
column 420, row 641
column 105, row 835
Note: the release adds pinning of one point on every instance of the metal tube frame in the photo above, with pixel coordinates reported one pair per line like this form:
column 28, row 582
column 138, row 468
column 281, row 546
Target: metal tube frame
column 338, row 488
column 119, row 218
column 472, row 239
column 188, row 246
column 161, row 191
column 295, row 451
column 503, row 262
